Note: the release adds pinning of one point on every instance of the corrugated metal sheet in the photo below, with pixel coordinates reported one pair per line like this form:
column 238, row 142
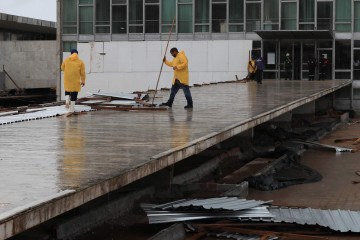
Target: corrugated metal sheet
column 256, row 214
column 338, row 220
column 46, row 112
column 213, row 208
column 223, row 203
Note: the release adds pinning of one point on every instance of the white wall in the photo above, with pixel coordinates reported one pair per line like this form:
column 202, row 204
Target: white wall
column 32, row 64
column 135, row 66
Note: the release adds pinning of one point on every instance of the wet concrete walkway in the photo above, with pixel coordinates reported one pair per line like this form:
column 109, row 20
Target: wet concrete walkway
column 68, row 161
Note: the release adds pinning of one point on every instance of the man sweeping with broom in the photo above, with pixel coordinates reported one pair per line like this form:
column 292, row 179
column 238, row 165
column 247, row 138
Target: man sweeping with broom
column 181, row 77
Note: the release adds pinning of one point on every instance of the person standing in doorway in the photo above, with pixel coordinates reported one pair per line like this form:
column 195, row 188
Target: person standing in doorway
column 259, row 70
column 288, row 67
column 74, row 78
column 311, row 65
column 323, row 67
column 180, row 79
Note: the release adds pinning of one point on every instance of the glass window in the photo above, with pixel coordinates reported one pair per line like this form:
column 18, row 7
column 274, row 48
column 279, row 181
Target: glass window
column 271, row 15
column 152, row 18
column 86, row 17
column 270, row 56
column 185, row 16
column 288, row 16
column 85, row 2
column 357, row 43
column 308, row 52
column 343, row 54
column 356, row 64
column 256, row 49
column 343, row 16
column 253, row 16
column 324, row 15
column 136, row 16
column 68, row 46
column 219, row 17
column 356, row 92
column 202, row 8
column 102, row 13
column 236, row 15
column 325, row 44
column 357, row 16
column 119, row 19
column 306, row 14
column 342, row 75
column 168, row 11
column 70, row 17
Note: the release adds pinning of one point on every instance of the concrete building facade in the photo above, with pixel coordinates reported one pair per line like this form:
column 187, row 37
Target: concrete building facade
column 27, row 52
column 302, row 28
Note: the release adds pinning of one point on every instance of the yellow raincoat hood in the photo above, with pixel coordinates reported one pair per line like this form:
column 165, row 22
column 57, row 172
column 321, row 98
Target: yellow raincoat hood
column 74, row 73
column 182, row 71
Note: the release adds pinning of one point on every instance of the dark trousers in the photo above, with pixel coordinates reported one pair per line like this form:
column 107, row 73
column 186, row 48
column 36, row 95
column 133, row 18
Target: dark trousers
column 322, row 73
column 175, row 88
column 259, row 76
column 288, row 74
column 311, row 74
column 73, row 95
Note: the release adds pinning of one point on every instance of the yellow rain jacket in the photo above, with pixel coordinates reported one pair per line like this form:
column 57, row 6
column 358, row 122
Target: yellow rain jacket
column 182, row 71
column 74, row 70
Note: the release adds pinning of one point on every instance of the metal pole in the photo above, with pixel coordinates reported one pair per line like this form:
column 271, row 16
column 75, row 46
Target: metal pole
column 162, row 64
column 12, row 80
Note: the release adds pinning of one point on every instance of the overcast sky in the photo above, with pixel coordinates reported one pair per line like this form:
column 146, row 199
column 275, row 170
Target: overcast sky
column 39, row 9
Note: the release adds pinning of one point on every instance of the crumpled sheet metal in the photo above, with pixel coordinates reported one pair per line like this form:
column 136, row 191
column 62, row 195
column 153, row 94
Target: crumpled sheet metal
column 222, row 203
column 46, row 112
column 337, row 220
column 162, row 216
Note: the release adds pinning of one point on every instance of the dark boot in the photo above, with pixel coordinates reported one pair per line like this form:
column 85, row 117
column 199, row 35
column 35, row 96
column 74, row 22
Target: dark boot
column 167, row 104
column 189, row 106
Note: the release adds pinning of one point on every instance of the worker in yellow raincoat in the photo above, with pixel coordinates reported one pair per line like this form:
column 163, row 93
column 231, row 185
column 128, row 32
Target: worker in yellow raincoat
column 181, row 77
column 74, row 79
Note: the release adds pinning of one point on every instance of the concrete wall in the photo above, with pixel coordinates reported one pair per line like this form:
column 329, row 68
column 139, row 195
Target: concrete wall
column 32, row 64
column 134, row 66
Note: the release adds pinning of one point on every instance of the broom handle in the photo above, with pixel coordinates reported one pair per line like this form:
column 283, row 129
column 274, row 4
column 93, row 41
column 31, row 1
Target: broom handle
column 162, row 64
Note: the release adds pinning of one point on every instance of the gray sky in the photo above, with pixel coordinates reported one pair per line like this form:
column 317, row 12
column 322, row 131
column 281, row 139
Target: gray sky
column 39, row 9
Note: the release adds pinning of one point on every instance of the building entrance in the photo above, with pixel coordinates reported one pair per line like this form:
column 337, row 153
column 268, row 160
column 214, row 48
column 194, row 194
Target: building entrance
column 300, row 51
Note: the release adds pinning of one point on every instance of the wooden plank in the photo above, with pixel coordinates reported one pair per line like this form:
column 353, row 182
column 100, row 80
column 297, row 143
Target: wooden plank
column 129, row 108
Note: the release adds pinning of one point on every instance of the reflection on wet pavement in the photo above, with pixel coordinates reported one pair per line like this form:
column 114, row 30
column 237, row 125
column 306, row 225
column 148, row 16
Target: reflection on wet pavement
column 42, row 157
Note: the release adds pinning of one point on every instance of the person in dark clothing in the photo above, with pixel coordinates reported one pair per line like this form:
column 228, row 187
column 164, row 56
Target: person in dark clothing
column 311, row 65
column 323, row 67
column 288, row 67
column 259, row 70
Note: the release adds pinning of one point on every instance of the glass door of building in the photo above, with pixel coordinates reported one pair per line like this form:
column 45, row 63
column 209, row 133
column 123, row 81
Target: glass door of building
column 308, row 51
column 293, row 48
column 271, row 59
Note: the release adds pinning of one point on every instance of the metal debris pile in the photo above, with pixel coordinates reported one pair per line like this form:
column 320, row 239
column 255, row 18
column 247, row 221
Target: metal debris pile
column 213, row 208
column 233, row 218
column 120, row 102
column 337, row 220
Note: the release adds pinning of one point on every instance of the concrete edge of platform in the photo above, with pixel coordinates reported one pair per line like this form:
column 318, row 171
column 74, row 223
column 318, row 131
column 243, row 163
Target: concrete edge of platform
column 44, row 211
